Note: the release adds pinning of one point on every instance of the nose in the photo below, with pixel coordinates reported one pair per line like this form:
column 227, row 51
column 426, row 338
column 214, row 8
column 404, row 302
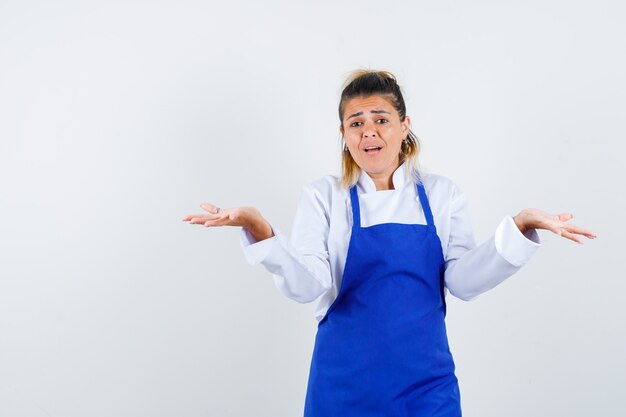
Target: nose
column 369, row 130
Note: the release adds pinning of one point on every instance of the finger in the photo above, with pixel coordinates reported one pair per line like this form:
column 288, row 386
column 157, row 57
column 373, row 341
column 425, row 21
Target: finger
column 580, row 231
column 565, row 216
column 191, row 217
column 553, row 226
column 222, row 213
column 226, row 217
column 200, row 219
column 571, row 236
column 211, row 208
column 197, row 219
column 217, row 222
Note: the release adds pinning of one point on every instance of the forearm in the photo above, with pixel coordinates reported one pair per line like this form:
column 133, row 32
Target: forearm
column 477, row 271
column 484, row 267
column 258, row 227
column 300, row 275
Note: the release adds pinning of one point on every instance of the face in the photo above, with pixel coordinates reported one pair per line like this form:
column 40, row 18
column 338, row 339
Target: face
column 373, row 133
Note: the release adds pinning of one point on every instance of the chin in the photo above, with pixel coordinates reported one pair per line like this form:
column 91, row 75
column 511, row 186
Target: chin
column 376, row 168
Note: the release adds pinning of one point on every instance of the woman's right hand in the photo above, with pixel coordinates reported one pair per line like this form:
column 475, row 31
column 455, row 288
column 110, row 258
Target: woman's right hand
column 248, row 217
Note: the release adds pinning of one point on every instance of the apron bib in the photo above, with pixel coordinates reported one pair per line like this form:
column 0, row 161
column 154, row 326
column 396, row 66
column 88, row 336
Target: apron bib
column 382, row 348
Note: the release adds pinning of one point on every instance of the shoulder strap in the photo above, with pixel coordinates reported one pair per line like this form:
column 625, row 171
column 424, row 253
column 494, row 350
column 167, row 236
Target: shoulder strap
column 356, row 210
column 425, row 205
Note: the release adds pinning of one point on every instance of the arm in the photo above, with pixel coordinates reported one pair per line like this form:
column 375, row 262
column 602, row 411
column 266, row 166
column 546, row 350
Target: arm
column 300, row 267
column 471, row 270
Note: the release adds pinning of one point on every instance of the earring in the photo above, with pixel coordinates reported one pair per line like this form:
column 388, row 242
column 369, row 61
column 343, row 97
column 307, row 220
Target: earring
column 345, row 145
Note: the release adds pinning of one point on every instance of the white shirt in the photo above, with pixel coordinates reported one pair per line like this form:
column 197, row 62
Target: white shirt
column 311, row 264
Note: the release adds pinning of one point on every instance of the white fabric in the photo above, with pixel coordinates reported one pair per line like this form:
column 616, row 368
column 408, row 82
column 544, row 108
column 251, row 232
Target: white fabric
column 311, row 264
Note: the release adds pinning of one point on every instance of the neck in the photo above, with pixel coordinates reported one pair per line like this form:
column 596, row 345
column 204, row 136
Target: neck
column 384, row 180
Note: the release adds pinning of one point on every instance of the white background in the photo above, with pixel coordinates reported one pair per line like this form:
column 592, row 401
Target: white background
column 119, row 118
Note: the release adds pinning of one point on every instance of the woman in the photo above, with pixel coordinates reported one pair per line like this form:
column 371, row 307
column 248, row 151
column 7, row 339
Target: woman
column 382, row 245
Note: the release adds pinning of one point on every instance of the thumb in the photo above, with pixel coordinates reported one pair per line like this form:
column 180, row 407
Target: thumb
column 209, row 207
column 565, row 217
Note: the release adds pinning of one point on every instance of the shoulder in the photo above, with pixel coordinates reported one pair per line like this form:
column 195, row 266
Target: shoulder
column 322, row 191
column 324, row 186
column 440, row 185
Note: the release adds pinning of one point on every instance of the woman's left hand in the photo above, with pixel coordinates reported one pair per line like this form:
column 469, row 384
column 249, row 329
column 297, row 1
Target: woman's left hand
column 536, row 219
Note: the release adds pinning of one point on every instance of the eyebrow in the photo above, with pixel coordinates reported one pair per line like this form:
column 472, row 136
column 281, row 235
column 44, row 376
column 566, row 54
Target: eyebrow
column 371, row 111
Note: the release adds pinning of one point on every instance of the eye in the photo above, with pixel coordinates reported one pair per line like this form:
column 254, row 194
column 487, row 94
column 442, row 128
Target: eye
column 382, row 121
column 355, row 124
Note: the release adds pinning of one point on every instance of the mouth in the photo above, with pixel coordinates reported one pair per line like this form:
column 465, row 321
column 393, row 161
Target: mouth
column 372, row 150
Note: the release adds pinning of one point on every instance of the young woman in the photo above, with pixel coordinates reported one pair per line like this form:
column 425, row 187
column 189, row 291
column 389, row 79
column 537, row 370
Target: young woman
column 381, row 245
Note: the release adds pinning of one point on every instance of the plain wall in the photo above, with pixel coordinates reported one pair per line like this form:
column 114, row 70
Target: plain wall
column 119, row 118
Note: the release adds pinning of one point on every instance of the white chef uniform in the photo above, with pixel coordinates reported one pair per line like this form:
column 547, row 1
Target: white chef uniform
column 311, row 263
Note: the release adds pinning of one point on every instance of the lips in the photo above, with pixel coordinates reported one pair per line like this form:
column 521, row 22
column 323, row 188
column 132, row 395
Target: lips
column 372, row 148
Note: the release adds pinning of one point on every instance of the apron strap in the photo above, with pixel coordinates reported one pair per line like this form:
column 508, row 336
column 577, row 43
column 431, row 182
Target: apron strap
column 425, row 205
column 356, row 210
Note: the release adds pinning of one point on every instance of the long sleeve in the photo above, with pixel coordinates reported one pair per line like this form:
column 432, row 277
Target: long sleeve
column 471, row 270
column 300, row 267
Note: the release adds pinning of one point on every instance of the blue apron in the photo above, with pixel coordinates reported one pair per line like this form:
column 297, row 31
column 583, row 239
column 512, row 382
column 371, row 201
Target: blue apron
column 382, row 348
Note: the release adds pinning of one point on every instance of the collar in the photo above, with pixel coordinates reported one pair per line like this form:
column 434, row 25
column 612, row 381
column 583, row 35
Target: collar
column 366, row 183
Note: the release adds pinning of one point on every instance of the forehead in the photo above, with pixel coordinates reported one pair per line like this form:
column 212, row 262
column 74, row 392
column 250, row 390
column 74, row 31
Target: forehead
column 365, row 104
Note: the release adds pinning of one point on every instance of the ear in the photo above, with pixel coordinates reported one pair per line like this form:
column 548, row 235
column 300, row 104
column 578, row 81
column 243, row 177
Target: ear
column 341, row 129
column 406, row 124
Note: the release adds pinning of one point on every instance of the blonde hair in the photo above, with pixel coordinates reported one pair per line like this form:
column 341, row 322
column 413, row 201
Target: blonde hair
column 366, row 83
